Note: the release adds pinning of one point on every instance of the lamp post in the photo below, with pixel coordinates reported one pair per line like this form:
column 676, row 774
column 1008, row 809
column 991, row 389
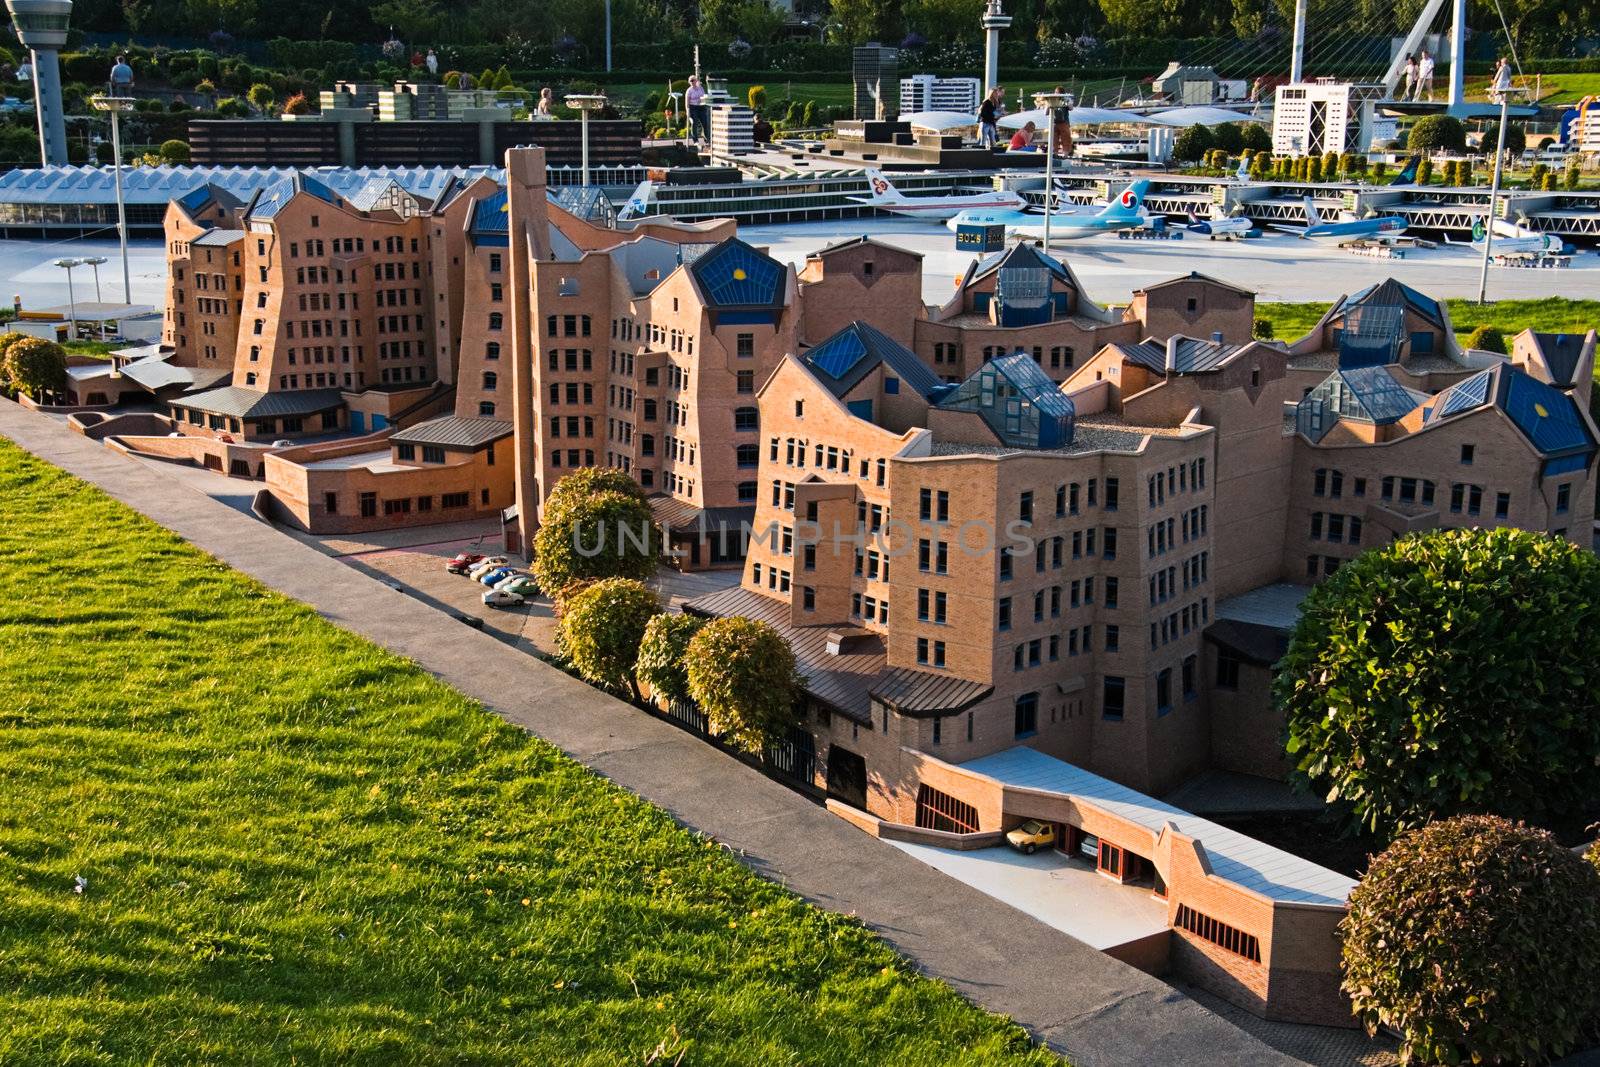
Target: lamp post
column 583, row 103
column 1494, row 192
column 116, row 105
column 94, row 263
column 72, row 299
column 1049, row 102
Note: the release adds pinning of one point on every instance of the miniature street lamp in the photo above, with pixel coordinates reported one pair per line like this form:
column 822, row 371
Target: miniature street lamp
column 116, row 105
column 1049, row 102
column 94, row 262
column 68, row 263
column 1494, row 190
column 583, row 103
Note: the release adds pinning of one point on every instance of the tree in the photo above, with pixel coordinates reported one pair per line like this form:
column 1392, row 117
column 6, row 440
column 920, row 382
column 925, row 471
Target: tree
column 261, row 97
column 174, row 152
column 1436, row 676
column 602, row 628
column 860, row 21
column 1261, row 329
column 1192, row 144
column 1516, row 138
column 604, row 533
column 1488, row 338
column 1476, row 938
column 297, row 105
column 757, row 96
column 588, row 481
column 1255, row 137
column 664, row 653
column 36, row 366
column 742, row 674
column 233, row 108
column 808, row 116
column 1437, row 133
column 1228, row 137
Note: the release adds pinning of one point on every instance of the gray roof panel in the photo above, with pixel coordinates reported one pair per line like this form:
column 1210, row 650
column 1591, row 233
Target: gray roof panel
column 454, row 431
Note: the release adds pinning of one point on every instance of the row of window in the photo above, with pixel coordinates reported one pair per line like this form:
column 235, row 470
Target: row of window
column 1336, row 528
column 1180, row 478
column 367, row 503
column 1185, row 620
column 1032, row 653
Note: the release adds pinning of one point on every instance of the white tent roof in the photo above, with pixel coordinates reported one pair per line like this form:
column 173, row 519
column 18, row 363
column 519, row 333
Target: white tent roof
column 1081, row 116
column 939, row 121
column 1200, row 115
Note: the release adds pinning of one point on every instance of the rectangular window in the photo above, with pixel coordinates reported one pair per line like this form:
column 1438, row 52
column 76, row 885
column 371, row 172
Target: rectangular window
column 369, row 505
column 1164, row 691
column 1113, row 693
column 940, row 811
column 1227, row 669
column 330, row 503
column 1563, row 498
column 1111, row 494
column 1502, row 505
column 1218, row 933
column 1026, row 715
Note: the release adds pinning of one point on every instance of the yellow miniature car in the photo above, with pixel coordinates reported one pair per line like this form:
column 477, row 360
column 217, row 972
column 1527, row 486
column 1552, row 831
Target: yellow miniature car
column 1031, row 835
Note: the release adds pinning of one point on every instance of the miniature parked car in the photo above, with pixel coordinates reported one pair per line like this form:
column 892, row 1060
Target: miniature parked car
column 506, row 580
column 463, row 562
column 489, row 578
column 521, row 584
column 484, row 566
column 521, row 590
column 283, row 442
column 1032, row 834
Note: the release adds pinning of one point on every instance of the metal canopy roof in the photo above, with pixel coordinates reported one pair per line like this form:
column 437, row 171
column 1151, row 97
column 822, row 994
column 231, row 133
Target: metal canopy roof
column 453, row 431
column 1244, row 861
column 158, row 185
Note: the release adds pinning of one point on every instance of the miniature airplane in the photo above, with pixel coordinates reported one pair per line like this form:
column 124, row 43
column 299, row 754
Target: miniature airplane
column 886, row 197
column 1231, row 226
column 1126, row 212
column 1382, row 228
column 1511, row 239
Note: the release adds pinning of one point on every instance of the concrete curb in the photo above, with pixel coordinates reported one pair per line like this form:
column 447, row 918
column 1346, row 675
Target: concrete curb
column 1078, row 1001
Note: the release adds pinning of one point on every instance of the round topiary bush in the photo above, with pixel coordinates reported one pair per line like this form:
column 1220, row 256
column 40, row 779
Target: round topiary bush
column 1487, row 338
column 1448, row 673
column 663, row 656
column 1437, row 133
column 602, row 628
column 36, row 366
column 1477, row 939
column 742, row 674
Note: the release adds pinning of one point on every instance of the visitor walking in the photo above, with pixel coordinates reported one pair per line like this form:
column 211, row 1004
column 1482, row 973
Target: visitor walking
column 1408, row 77
column 989, row 113
column 1424, row 78
column 433, row 63
column 694, row 102
column 1061, row 120
column 1502, row 81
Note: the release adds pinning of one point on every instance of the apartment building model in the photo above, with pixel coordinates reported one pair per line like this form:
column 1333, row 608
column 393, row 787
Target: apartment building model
column 1035, row 556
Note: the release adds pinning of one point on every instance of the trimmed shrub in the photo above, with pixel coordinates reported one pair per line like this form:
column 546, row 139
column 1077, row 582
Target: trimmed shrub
column 1261, row 329
column 174, row 152
column 1516, row 138
column 664, row 653
column 1395, row 732
column 742, row 674
column 602, row 628
column 1255, row 137
column 1437, row 133
column 1476, row 938
column 1488, row 338
column 36, row 366
column 596, row 535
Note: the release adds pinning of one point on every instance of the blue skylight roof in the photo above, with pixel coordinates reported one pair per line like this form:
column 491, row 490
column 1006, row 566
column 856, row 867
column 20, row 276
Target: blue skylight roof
column 1465, row 395
column 837, row 355
column 1546, row 416
column 489, row 214
column 735, row 275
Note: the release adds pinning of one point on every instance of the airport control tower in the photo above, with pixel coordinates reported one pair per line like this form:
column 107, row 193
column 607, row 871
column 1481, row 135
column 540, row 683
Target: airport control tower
column 42, row 26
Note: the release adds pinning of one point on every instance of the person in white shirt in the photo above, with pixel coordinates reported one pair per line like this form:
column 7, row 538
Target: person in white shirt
column 1424, row 78
column 694, row 103
column 1502, row 81
column 1408, row 77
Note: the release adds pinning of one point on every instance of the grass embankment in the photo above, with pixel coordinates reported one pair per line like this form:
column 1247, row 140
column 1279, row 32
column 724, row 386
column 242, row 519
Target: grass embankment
column 300, row 848
column 1290, row 322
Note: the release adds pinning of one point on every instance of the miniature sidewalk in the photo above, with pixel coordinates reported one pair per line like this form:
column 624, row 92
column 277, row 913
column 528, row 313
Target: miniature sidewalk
column 1078, row 1001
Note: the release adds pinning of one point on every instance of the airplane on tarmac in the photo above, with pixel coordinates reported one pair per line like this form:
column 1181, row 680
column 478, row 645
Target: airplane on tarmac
column 1231, row 227
column 1125, row 212
column 886, row 197
column 1381, row 228
column 1511, row 239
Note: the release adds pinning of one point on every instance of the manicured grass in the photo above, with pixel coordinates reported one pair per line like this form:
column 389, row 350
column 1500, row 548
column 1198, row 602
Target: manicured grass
column 1290, row 322
column 301, row 849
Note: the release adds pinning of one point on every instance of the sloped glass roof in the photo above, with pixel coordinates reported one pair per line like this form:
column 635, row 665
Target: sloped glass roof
column 837, row 355
column 1465, row 395
column 489, row 214
column 1546, row 416
column 735, row 275
column 1018, row 401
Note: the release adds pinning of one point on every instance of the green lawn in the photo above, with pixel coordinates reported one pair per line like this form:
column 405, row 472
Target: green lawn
column 1290, row 322
column 302, row 849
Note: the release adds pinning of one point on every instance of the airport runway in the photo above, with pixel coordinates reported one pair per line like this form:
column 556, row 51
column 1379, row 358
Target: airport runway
column 1277, row 267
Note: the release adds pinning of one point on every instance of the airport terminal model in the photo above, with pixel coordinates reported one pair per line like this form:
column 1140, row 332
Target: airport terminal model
column 1074, row 538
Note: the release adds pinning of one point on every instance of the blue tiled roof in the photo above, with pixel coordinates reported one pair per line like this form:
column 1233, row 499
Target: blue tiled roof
column 735, row 275
column 276, row 196
column 489, row 214
column 1547, row 417
column 1390, row 291
column 1021, row 254
column 850, row 355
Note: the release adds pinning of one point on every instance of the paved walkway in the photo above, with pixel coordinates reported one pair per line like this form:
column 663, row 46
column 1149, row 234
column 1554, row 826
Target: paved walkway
column 1079, row 1001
